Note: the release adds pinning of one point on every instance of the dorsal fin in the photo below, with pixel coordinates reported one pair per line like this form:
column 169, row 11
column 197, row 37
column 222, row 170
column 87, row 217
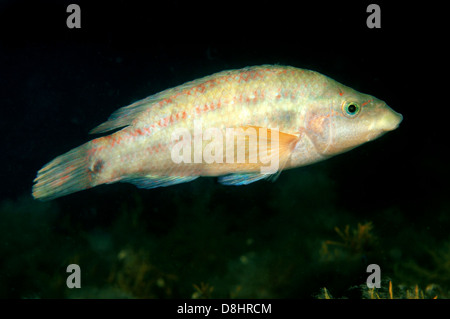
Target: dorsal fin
column 127, row 114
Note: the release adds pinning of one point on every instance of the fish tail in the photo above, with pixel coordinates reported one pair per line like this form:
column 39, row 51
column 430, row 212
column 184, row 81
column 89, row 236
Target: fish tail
column 66, row 174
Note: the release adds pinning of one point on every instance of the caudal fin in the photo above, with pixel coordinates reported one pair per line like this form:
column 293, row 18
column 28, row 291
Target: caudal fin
column 66, row 174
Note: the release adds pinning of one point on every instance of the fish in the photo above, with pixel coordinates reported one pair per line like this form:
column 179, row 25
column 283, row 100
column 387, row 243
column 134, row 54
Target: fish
column 276, row 114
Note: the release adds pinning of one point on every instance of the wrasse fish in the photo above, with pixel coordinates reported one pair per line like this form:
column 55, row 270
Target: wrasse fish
column 310, row 117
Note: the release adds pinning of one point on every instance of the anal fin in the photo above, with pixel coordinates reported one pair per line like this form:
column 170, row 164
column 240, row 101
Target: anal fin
column 242, row 178
column 153, row 181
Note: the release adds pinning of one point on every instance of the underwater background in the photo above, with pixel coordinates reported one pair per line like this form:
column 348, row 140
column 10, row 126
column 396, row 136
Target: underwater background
column 320, row 226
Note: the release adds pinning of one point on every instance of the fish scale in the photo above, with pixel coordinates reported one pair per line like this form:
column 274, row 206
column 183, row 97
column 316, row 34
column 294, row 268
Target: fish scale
column 304, row 110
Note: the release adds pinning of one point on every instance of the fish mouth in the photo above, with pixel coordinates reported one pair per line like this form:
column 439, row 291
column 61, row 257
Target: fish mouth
column 390, row 120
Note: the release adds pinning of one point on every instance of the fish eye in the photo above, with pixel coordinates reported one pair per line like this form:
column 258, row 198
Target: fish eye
column 351, row 109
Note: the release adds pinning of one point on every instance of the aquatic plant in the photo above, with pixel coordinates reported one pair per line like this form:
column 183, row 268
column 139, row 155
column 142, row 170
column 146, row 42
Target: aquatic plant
column 356, row 240
column 402, row 292
column 324, row 294
column 202, row 291
column 135, row 274
column 352, row 241
column 433, row 266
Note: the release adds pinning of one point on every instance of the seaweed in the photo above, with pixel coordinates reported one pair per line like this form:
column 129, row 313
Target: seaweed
column 353, row 242
column 402, row 292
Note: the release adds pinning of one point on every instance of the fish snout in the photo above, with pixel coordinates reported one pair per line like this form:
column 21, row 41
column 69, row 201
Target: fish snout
column 389, row 120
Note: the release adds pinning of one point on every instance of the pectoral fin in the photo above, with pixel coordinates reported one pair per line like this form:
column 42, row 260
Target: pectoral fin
column 271, row 148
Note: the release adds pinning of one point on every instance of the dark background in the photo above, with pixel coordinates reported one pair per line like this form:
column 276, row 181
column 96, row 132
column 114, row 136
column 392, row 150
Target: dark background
column 58, row 83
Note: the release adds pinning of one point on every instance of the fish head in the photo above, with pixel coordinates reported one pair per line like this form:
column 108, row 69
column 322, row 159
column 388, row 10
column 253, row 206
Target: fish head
column 350, row 119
